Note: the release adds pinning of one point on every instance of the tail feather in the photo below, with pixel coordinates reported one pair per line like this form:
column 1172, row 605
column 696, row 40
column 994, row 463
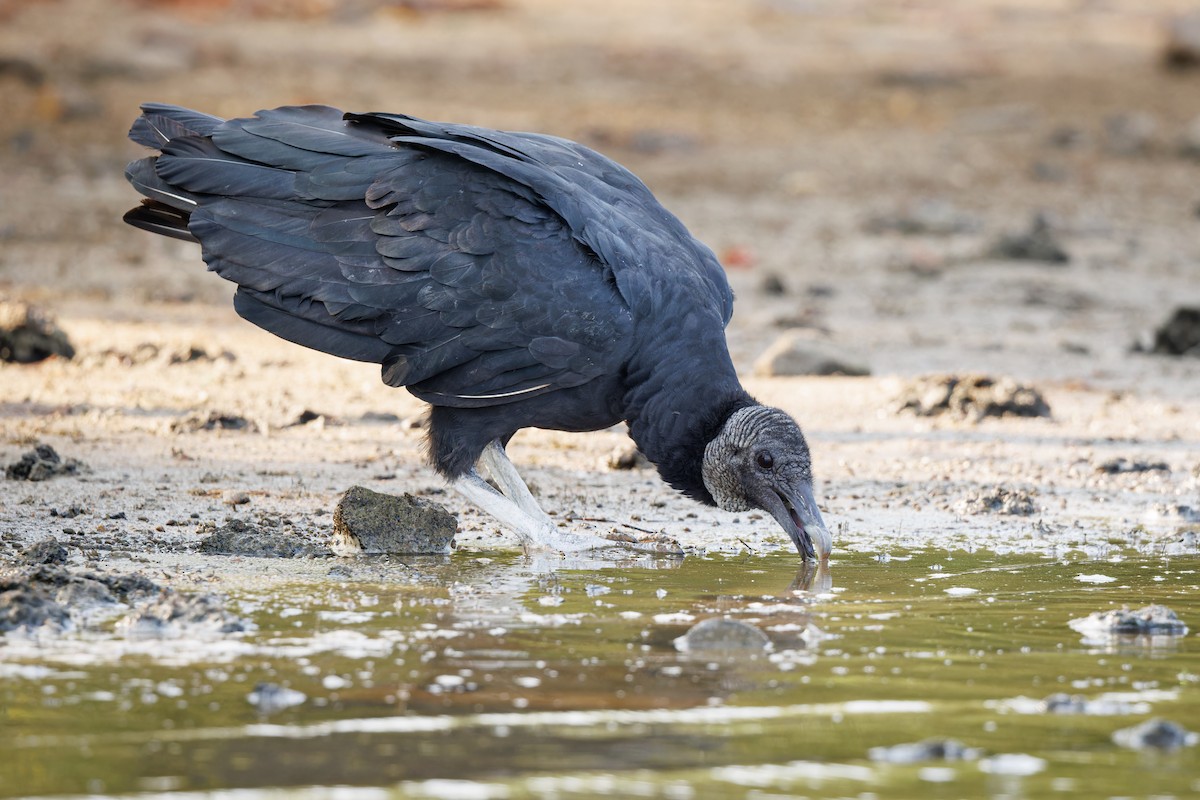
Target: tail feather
column 160, row 123
column 144, row 177
column 162, row 219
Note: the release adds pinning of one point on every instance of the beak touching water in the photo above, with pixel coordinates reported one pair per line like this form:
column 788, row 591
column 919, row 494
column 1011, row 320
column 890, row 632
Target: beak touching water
column 797, row 513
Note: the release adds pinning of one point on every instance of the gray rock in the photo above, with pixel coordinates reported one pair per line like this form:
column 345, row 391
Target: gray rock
column 926, row 750
column 28, row 335
column 45, row 551
column 1179, row 335
column 240, row 538
column 271, row 697
column 798, row 352
column 1037, row 243
column 1155, row 734
column 369, row 522
column 42, row 463
column 721, row 635
column 1120, row 466
column 1154, row 620
column 29, row 607
column 1181, row 44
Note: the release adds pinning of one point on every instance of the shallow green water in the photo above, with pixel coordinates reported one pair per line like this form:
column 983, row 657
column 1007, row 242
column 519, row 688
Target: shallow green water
column 489, row 677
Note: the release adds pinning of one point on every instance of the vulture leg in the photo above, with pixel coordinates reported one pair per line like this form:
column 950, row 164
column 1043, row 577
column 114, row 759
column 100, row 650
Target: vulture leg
column 505, row 473
column 518, row 510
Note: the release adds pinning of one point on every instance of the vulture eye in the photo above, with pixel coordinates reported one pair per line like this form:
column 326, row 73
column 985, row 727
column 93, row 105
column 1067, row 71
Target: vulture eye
column 765, row 459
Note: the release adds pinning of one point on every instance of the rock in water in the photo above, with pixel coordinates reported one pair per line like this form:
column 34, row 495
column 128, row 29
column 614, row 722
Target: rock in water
column 1152, row 620
column 28, row 335
column 722, row 636
column 1158, row 734
column 926, row 750
column 370, row 522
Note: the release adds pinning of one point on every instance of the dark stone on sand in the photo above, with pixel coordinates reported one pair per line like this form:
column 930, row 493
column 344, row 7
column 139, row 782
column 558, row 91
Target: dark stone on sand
column 1179, row 335
column 28, row 335
column 1038, row 243
column 45, row 551
column 213, row 421
column 925, row 750
column 773, row 285
column 1181, row 44
column 240, row 538
column 1155, row 734
column 1120, row 466
column 929, row 217
column 370, row 522
column 971, row 397
column 798, row 352
column 41, row 463
column 721, row 635
column 1001, row 501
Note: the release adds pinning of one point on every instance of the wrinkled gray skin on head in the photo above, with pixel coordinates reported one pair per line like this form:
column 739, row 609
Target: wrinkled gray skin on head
column 759, row 459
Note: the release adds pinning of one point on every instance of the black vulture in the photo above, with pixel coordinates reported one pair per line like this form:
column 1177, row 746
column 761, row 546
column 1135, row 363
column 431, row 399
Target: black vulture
column 510, row 280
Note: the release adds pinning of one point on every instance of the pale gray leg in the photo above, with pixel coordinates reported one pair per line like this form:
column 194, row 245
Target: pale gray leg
column 518, row 510
column 505, row 473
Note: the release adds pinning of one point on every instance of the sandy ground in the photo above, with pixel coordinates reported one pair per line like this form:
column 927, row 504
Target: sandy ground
column 794, row 137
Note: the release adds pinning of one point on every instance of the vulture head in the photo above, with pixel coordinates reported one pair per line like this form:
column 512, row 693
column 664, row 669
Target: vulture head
column 759, row 459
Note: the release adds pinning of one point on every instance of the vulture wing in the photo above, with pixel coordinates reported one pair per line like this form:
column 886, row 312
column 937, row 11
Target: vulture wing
column 473, row 272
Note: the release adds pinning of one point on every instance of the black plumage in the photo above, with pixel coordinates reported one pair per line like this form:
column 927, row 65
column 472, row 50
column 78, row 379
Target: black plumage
column 510, row 280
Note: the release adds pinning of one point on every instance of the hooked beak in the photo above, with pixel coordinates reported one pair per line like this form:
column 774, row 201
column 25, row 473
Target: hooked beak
column 797, row 513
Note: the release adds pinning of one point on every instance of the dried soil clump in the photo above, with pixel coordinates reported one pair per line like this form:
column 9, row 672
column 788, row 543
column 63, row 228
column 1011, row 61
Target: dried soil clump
column 1001, row 501
column 972, row 397
column 213, row 421
column 627, row 456
column 240, row 538
column 370, row 522
column 42, row 463
column 28, row 335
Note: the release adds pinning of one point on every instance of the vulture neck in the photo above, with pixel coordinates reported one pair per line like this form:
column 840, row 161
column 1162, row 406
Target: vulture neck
column 679, row 395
